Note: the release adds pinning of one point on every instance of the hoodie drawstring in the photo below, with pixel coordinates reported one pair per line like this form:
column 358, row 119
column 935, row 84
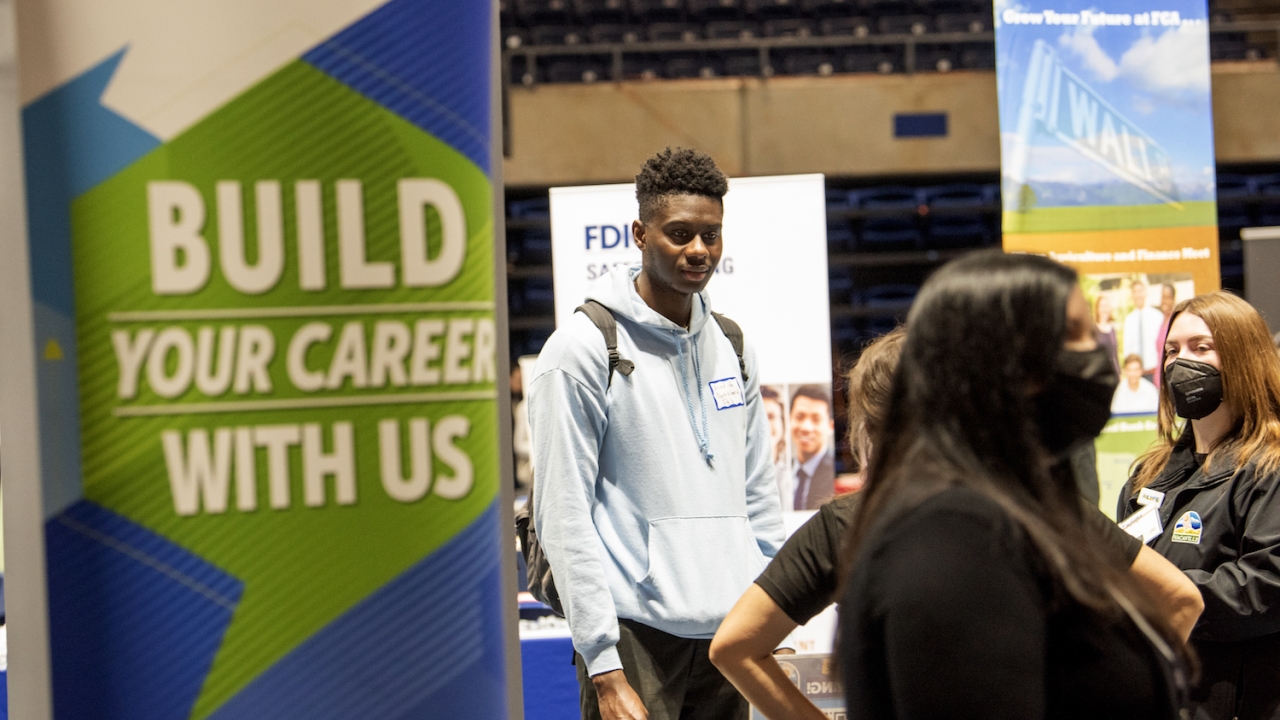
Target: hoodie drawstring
column 704, row 437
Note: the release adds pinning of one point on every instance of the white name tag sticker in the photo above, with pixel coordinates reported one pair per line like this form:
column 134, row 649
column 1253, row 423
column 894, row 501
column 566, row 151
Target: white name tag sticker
column 1144, row 524
column 1147, row 496
column 727, row 393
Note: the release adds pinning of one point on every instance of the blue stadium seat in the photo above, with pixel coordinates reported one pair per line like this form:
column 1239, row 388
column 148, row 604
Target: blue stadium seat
column 764, row 9
column 529, row 342
column 840, row 236
column 955, row 195
column 845, row 335
column 514, row 37
column 840, row 285
column 615, row 33
column 879, row 325
column 1233, row 195
column 1268, row 194
column 882, row 60
column 963, row 22
column 534, row 246
column 544, row 11
column 674, row 32
column 806, row 62
column 557, row 35
column 903, row 24
column 888, row 7
column 1228, row 46
column 1231, row 186
column 745, row 64
column 889, row 233
column 957, row 230
column 936, row 58
column 889, row 296
column 992, row 192
column 890, row 197
column 732, row 30
column 642, row 67
column 531, row 296
column 982, row 57
column 837, row 199
column 825, row 8
column 602, row 11
column 692, row 66
column 538, row 208
column 715, row 9
column 789, row 27
column 657, row 10
column 854, row 25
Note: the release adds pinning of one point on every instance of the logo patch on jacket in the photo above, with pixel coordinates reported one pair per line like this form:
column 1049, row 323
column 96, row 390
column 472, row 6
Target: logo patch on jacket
column 1187, row 529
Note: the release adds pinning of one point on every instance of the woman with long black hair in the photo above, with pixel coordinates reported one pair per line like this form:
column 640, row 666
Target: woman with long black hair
column 974, row 591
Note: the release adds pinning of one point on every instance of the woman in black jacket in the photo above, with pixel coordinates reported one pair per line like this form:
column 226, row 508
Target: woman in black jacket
column 974, row 590
column 1212, row 484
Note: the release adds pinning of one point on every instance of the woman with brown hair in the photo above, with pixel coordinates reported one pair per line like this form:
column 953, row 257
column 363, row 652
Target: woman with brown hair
column 1209, row 493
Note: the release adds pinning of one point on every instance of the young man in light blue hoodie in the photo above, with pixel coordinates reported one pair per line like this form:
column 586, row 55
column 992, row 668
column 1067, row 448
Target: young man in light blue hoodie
column 654, row 492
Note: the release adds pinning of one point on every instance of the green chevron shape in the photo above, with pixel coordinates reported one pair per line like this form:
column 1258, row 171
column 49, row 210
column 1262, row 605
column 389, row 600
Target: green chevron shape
column 302, row 566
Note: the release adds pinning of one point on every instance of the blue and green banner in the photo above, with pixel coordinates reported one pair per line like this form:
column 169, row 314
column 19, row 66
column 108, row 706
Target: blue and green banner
column 1107, row 156
column 1107, row 164
column 262, row 262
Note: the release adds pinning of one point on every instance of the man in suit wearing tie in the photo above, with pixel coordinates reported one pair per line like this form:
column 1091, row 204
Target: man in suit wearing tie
column 811, row 425
column 1142, row 331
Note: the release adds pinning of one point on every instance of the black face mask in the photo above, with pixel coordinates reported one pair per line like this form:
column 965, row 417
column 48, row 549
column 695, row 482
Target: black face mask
column 1077, row 403
column 1196, row 388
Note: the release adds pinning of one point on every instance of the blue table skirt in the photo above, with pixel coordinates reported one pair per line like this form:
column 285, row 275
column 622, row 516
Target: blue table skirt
column 550, row 682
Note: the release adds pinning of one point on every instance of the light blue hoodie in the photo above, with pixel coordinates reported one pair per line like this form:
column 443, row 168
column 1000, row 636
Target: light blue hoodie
column 654, row 497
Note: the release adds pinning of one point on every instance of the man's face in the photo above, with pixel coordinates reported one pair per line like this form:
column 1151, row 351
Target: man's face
column 1133, row 373
column 1139, row 295
column 681, row 243
column 810, row 423
column 1167, row 300
column 773, row 411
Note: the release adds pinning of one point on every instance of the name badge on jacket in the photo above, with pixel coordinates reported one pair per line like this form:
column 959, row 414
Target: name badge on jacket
column 727, row 393
column 1144, row 524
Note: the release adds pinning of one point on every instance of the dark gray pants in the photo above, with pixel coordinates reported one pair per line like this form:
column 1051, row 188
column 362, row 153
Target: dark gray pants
column 672, row 675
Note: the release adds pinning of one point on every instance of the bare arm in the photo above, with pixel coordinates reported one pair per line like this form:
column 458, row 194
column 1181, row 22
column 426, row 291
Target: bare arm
column 743, row 650
column 1172, row 591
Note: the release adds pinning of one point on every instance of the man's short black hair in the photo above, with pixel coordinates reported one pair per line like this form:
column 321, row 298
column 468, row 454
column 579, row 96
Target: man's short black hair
column 813, row 392
column 682, row 171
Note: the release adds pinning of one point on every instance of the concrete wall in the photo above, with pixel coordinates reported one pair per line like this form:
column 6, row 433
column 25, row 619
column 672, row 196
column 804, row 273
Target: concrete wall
column 841, row 125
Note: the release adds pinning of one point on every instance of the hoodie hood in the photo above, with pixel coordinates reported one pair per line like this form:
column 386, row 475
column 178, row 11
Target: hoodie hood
column 616, row 290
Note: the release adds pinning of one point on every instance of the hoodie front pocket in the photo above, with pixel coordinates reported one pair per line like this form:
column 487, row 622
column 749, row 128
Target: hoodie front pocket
column 698, row 568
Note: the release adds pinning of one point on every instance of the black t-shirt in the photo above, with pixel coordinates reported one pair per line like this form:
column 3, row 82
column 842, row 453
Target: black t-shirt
column 950, row 613
column 802, row 578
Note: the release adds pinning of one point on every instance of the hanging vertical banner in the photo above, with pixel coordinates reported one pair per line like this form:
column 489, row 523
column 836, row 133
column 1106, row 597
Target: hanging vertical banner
column 262, row 262
column 1107, row 135
column 1107, row 164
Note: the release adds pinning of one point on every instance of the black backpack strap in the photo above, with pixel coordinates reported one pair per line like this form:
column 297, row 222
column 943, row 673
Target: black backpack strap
column 734, row 333
column 604, row 320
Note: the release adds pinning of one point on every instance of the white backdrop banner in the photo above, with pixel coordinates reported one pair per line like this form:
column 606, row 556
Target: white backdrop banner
column 772, row 278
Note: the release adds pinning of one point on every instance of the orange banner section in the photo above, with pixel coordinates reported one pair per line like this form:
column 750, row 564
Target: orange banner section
column 1173, row 250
